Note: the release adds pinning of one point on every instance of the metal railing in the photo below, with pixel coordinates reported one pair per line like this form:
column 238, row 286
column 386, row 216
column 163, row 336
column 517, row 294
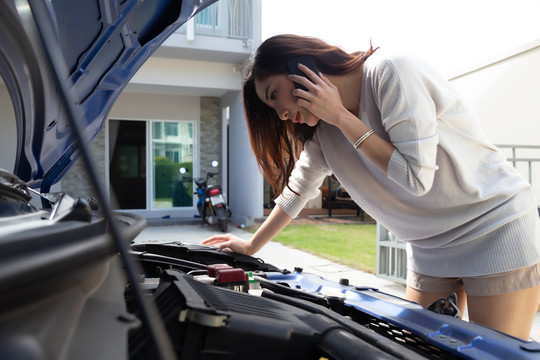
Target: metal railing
column 225, row 18
column 526, row 157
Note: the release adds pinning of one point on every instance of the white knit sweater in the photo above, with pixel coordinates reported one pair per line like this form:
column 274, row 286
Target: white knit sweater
column 449, row 193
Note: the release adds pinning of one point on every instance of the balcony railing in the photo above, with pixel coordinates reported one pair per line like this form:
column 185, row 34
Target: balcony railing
column 225, row 18
column 525, row 158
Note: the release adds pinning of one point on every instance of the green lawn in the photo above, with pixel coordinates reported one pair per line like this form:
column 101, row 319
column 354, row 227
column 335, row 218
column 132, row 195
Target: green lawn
column 354, row 245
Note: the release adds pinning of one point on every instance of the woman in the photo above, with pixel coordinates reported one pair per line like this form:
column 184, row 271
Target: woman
column 411, row 154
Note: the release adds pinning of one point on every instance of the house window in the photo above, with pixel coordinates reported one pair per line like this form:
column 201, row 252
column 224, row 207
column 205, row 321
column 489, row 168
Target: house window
column 157, row 130
column 171, row 129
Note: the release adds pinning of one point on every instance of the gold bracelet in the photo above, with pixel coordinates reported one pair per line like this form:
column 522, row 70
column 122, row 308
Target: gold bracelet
column 363, row 138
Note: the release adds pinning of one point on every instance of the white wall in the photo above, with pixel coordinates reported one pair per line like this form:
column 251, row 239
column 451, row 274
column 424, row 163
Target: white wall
column 505, row 95
column 246, row 193
column 202, row 77
column 156, row 107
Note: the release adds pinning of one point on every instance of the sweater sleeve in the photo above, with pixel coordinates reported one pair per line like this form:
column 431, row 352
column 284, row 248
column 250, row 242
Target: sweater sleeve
column 407, row 101
column 305, row 180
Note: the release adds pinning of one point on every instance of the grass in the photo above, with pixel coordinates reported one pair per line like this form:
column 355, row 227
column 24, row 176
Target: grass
column 354, row 245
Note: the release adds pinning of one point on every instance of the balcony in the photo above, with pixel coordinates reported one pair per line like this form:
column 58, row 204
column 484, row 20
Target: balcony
column 231, row 19
column 223, row 32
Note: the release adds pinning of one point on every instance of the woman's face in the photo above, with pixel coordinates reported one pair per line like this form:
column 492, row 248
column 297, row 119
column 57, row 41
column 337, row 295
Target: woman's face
column 276, row 92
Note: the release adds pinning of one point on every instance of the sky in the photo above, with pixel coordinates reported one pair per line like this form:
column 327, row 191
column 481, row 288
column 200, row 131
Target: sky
column 451, row 35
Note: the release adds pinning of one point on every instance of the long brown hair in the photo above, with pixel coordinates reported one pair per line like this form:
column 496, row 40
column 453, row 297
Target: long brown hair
column 276, row 143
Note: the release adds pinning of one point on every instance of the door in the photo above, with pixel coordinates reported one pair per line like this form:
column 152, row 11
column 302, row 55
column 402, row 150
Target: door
column 172, row 149
column 145, row 158
column 127, row 169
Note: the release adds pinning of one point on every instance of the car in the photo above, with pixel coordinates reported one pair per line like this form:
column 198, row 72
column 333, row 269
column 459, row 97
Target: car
column 74, row 285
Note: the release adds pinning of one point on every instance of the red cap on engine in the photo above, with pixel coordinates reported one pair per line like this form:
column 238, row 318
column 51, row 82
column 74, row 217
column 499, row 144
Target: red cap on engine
column 211, row 270
column 231, row 275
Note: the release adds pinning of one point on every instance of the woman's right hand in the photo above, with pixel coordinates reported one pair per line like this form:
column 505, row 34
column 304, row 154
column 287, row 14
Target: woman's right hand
column 276, row 221
column 230, row 242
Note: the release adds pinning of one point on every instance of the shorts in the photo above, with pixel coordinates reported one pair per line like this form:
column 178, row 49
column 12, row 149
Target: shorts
column 487, row 285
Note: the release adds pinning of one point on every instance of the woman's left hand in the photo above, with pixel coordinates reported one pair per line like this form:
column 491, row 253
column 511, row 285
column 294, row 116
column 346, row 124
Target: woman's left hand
column 322, row 98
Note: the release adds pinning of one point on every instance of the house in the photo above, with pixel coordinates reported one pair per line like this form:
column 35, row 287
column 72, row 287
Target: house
column 183, row 108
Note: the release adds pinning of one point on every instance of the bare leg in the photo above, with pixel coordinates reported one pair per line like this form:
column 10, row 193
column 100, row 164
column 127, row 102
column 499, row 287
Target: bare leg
column 512, row 313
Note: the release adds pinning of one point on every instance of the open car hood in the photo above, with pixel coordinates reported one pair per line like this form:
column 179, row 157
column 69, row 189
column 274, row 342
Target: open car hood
column 101, row 44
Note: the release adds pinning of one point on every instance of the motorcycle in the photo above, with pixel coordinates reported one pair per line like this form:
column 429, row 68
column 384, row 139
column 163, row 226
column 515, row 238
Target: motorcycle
column 211, row 203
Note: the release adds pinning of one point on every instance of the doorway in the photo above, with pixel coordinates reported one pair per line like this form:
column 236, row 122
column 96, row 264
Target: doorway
column 145, row 158
column 127, row 149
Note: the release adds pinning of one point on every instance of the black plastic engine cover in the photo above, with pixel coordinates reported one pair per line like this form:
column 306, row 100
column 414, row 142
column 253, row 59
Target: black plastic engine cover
column 203, row 255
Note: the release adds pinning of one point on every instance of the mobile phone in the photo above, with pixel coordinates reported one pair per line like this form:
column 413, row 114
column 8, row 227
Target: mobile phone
column 306, row 60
